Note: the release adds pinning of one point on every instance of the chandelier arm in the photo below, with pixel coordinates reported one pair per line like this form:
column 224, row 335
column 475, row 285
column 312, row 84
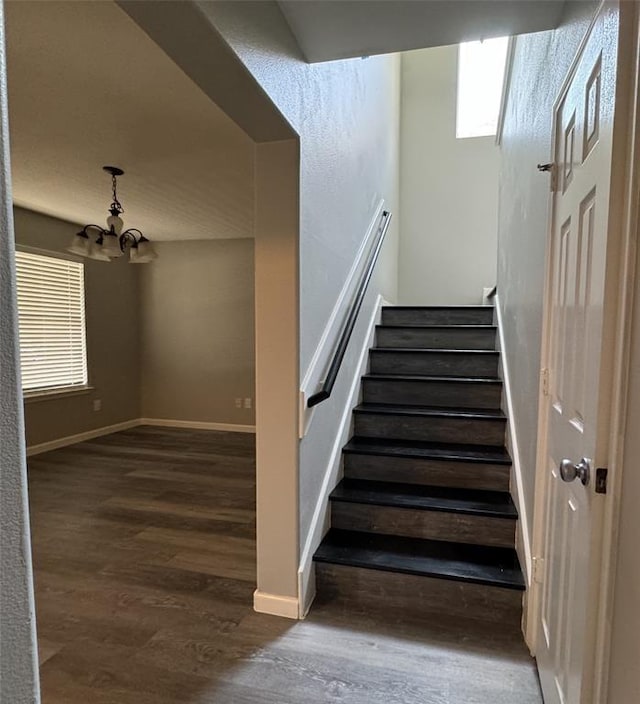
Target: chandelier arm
column 96, row 227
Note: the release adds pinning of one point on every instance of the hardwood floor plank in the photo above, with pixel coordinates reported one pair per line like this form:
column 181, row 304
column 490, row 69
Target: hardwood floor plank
column 215, row 608
column 47, row 648
column 183, row 508
column 144, row 557
column 103, row 666
column 220, row 564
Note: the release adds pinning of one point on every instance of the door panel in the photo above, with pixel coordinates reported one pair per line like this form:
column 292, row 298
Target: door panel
column 578, row 384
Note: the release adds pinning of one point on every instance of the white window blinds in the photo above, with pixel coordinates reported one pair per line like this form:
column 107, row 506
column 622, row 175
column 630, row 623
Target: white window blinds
column 53, row 348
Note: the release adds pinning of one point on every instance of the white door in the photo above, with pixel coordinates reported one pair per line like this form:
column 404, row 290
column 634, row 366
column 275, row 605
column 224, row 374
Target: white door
column 579, row 366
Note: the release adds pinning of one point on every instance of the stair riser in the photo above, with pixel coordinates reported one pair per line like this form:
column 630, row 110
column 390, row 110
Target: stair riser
column 446, row 394
column 434, row 429
column 408, row 470
column 453, row 339
column 434, row 525
column 434, row 363
column 415, row 598
column 437, row 316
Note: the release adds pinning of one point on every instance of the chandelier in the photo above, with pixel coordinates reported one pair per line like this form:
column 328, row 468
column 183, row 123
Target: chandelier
column 112, row 242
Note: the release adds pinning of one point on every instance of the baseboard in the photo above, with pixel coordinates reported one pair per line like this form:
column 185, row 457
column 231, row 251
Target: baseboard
column 306, row 587
column 312, row 377
column 318, row 525
column 197, row 425
column 81, row 437
column 523, row 538
column 276, row 605
column 134, row 422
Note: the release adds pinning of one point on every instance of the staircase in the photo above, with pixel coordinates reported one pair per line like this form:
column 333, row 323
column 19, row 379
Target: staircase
column 422, row 522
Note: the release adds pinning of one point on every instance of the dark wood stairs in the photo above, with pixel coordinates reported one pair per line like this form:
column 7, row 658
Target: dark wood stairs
column 423, row 522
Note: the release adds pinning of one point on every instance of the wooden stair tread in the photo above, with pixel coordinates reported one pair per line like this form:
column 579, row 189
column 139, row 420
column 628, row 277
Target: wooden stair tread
column 430, row 411
column 480, row 454
column 477, row 502
column 433, row 350
column 426, row 378
column 438, row 326
column 429, row 558
column 461, row 307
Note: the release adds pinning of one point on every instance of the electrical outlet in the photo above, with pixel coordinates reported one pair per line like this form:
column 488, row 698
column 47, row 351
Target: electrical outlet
column 97, row 404
column 247, row 403
column 238, row 403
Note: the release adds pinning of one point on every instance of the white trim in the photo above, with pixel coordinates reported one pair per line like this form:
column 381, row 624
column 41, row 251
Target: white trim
column 57, row 393
column 488, row 294
column 197, row 425
column 306, row 588
column 81, row 437
column 312, row 377
column 133, row 423
column 319, row 520
column 523, row 538
column 275, row 604
column 506, row 84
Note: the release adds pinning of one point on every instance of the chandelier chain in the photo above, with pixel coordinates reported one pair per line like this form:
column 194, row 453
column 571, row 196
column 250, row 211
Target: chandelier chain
column 115, row 205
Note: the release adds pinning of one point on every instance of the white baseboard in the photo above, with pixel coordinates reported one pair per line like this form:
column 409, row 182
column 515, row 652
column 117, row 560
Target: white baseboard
column 276, row 605
column 317, row 529
column 306, row 587
column 81, row 437
column 133, row 423
column 312, row 377
column 197, row 425
column 523, row 538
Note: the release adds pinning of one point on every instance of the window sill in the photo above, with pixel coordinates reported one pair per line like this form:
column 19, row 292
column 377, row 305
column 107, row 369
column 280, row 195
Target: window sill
column 53, row 394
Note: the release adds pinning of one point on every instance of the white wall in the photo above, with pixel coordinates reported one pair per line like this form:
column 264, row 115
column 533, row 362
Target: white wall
column 448, row 190
column 197, row 325
column 18, row 664
column 347, row 116
column 540, row 64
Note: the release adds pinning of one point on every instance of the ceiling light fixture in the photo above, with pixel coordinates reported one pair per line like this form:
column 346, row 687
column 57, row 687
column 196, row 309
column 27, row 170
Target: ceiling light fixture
column 112, row 242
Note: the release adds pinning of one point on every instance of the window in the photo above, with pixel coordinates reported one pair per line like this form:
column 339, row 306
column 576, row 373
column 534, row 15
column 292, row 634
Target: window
column 480, row 76
column 53, row 348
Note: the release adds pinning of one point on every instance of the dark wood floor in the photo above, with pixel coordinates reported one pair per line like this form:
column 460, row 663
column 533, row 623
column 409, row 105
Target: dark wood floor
column 144, row 559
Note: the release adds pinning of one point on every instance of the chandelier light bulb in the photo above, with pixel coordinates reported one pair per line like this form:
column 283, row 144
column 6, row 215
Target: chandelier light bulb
column 111, row 245
column 146, row 252
column 81, row 244
column 114, row 222
column 96, row 251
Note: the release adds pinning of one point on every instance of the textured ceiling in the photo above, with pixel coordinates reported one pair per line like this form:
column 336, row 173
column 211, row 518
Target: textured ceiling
column 87, row 88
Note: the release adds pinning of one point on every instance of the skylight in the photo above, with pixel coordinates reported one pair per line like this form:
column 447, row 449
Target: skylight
column 481, row 68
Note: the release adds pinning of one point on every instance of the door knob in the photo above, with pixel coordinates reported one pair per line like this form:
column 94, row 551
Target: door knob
column 545, row 167
column 582, row 470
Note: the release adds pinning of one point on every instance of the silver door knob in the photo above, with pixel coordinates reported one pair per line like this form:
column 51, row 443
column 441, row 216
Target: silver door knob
column 570, row 471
